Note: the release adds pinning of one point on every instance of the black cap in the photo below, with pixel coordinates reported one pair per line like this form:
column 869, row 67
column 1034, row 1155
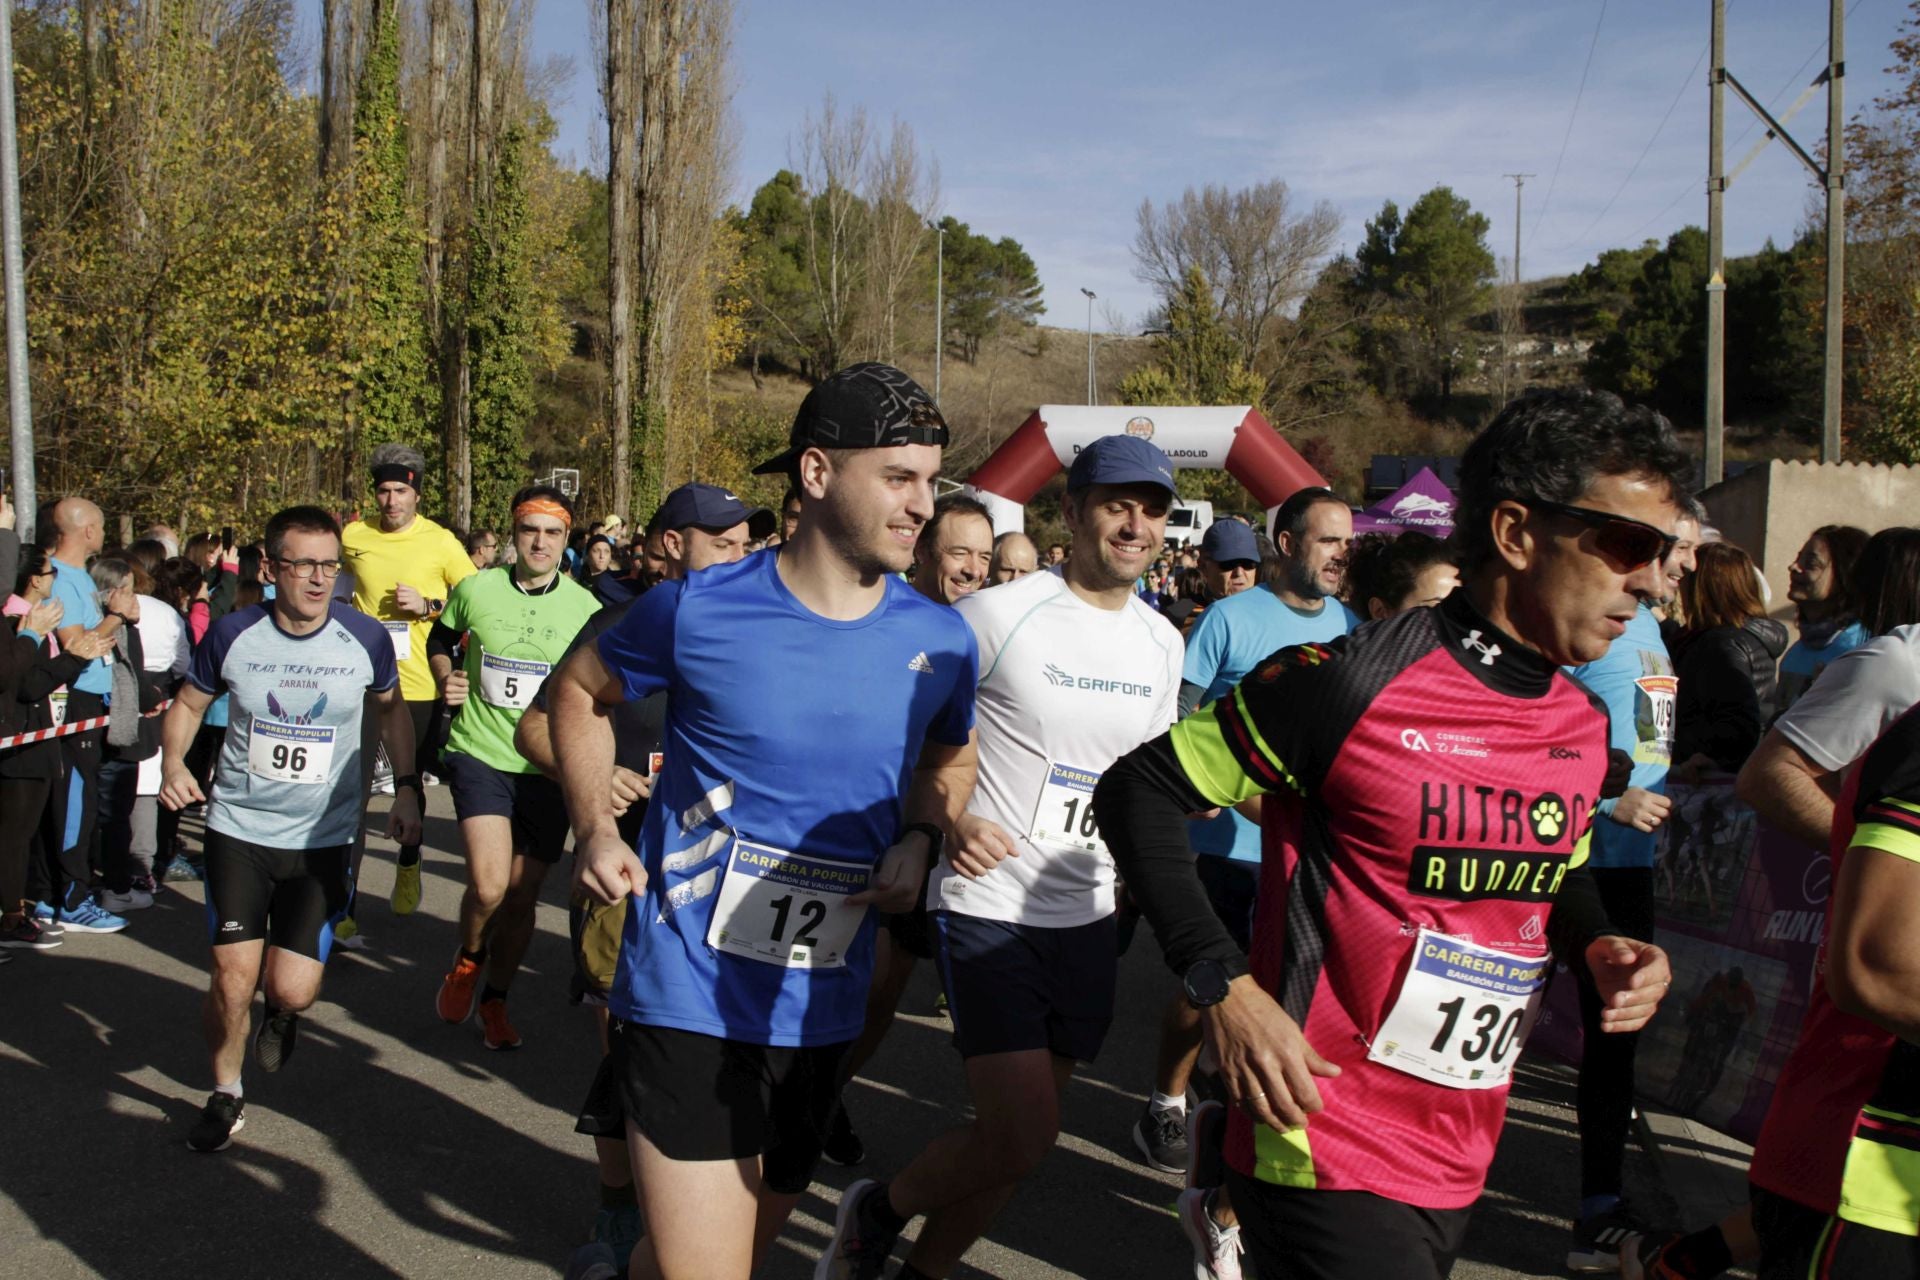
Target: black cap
column 708, row 506
column 863, row 406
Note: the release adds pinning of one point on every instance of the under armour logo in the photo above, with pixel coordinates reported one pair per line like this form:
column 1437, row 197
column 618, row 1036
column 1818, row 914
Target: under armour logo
column 921, row 663
column 1487, row 652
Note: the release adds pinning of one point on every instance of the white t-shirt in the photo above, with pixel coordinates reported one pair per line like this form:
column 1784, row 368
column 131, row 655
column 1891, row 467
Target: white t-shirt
column 164, row 646
column 1066, row 688
column 1855, row 698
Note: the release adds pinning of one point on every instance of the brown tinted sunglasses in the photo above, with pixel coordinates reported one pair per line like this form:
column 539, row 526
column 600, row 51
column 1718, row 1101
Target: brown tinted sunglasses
column 1632, row 543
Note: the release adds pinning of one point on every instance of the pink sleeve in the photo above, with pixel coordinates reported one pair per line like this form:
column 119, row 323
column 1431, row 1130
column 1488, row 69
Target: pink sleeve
column 199, row 618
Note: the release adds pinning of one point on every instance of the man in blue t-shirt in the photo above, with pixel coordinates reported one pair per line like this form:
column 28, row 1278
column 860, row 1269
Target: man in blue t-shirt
column 818, row 745
column 287, row 795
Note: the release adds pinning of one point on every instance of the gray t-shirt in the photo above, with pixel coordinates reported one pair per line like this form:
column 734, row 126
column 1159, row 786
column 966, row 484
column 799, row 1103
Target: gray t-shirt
column 1855, row 698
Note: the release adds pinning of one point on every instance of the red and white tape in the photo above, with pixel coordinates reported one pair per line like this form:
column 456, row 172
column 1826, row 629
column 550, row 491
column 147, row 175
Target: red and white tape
column 62, row 730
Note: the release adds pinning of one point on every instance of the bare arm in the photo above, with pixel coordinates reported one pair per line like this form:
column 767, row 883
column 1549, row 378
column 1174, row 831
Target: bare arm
column 942, row 784
column 1793, row 794
column 178, row 787
column 578, row 698
column 533, row 739
column 396, row 733
column 1873, row 955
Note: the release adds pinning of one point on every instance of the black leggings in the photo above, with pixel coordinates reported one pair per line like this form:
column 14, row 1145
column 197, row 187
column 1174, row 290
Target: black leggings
column 24, row 802
column 1604, row 1100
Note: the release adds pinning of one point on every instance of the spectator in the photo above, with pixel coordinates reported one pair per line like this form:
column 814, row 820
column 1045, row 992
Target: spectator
column 124, row 845
column 1820, row 583
column 1886, row 581
column 483, row 545
column 1229, row 558
column 1724, row 657
column 1186, row 598
column 1386, row 575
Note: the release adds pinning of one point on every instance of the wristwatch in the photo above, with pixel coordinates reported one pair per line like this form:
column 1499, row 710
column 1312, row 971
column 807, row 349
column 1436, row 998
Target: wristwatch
column 435, row 608
column 935, row 837
column 1206, row 983
column 411, row 780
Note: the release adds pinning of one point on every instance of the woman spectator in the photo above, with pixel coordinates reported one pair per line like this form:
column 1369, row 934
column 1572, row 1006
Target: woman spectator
column 1886, row 581
column 1389, row 575
column 1186, row 599
column 1820, row 583
column 1725, row 658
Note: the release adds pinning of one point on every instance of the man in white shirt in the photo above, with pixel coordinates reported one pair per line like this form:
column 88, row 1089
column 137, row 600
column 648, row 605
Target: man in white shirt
column 1076, row 670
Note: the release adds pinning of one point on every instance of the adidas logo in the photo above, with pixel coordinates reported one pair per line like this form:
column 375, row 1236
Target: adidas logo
column 921, row 664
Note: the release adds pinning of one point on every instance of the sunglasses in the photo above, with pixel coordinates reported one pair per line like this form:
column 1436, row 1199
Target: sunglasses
column 1633, row 543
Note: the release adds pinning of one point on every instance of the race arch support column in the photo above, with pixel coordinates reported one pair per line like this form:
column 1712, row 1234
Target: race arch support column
column 1236, row 439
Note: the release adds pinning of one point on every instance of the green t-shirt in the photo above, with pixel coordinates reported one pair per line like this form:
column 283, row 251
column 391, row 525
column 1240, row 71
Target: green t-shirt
column 513, row 640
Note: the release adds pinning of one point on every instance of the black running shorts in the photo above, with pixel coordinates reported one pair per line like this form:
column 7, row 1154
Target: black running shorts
column 1806, row 1244
column 1344, row 1235
column 290, row 897
column 532, row 801
column 699, row 1097
column 1020, row 986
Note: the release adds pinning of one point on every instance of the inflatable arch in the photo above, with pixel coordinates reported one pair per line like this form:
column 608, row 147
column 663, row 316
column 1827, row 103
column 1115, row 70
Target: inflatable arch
column 1235, row 439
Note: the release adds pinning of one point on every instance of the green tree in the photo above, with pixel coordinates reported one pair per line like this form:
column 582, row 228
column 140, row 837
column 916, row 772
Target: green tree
column 1442, row 269
column 390, row 353
column 500, row 328
column 1656, row 351
column 1195, row 357
column 990, row 286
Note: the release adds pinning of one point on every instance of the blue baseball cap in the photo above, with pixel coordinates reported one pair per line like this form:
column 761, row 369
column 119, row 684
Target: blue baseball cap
column 1120, row 460
column 1227, row 540
column 708, row 506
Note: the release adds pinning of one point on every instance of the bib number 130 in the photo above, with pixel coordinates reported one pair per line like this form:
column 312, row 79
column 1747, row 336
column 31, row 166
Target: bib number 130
column 1461, row 1014
column 1495, row 1031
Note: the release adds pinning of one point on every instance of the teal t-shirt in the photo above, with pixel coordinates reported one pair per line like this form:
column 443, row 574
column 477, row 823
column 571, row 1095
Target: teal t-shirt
column 514, row 638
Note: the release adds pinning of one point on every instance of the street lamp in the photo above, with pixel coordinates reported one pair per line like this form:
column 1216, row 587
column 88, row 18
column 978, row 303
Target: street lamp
column 1091, row 295
column 939, row 303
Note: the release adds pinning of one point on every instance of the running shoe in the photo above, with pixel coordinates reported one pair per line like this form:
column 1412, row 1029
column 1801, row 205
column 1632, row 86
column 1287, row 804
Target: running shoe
column 1206, row 1145
column 406, row 889
column 1645, row 1258
column 594, row 1261
column 860, row 1247
column 182, row 869
column 1597, row 1240
column 121, row 903
column 29, row 933
column 222, row 1117
column 457, row 990
column 1216, row 1249
column 495, row 1031
column 89, row 918
column 147, row 885
column 44, row 916
column 619, row 1230
column 275, row 1041
column 346, row 933
column 843, row 1145
column 1161, row 1136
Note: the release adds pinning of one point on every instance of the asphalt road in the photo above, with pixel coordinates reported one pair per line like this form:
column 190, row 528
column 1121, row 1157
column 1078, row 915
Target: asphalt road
column 395, row 1145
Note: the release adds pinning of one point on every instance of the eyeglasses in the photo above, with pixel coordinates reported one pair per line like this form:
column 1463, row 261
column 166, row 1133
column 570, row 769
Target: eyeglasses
column 307, row 568
column 1633, row 543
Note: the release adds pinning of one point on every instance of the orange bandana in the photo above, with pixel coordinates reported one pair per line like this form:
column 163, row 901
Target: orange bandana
column 543, row 507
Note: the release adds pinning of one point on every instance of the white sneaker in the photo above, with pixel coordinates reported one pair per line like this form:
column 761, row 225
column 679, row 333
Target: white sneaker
column 121, row 903
column 1216, row 1250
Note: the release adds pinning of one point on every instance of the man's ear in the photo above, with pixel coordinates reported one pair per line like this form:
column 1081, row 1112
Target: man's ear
column 1513, row 541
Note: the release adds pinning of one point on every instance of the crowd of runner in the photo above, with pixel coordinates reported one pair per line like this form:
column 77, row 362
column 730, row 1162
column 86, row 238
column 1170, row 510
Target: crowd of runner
column 1362, row 792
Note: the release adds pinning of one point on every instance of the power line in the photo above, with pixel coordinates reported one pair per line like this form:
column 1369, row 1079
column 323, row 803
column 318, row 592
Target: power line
column 1593, row 46
column 1647, row 150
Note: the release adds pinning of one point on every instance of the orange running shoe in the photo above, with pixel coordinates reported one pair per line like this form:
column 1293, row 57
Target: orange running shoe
column 455, row 1002
column 496, row 1031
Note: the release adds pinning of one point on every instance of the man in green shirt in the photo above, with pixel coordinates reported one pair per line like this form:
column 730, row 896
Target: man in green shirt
column 517, row 621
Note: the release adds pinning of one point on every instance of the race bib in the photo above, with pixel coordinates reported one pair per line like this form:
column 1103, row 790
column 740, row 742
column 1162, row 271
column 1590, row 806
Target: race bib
column 510, row 682
column 786, row 909
column 1653, row 706
column 58, row 704
column 1461, row 1014
column 1064, row 813
column 402, row 634
column 656, row 761
column 301, row 753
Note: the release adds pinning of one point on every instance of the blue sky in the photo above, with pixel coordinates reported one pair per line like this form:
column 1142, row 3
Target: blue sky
column 1052, row 120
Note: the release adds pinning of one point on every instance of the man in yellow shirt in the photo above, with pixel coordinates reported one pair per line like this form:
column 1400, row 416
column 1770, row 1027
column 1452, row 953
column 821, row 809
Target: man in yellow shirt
column 404, row 566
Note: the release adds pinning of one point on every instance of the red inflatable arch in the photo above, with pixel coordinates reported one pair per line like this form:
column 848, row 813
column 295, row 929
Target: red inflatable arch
column 1235, row 439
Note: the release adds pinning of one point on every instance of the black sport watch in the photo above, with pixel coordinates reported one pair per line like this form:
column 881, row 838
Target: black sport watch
column 1206, row 983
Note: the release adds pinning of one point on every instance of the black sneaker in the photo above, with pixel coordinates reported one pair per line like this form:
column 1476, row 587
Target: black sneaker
column 1161, row 1136
column 223, row 1116
column 843, row 1145
column 274, row 1043
column 860, row 1247
column 1597, row 1241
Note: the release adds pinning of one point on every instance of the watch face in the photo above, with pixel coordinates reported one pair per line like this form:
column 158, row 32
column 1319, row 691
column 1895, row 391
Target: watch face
column 1206, row 983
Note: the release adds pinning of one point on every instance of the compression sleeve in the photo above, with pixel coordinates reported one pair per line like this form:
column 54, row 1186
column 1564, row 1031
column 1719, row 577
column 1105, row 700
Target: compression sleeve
column 442, row 641
column 1190, row 695
column 1142, row 804
column 1578, row 915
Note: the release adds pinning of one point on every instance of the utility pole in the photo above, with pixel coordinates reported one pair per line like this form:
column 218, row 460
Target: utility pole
column 1519, row 181
column 1090, row 297
column 939, row 304
column 1716, row 248
column 1832, row 177
column 19, row 399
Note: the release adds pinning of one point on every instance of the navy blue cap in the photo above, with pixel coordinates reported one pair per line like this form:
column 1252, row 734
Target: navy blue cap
column 1120, row 460
column 708, row 506
column 1228, row 540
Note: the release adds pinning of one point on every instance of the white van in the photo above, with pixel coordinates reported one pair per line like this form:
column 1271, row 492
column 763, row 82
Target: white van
column 1188, row 522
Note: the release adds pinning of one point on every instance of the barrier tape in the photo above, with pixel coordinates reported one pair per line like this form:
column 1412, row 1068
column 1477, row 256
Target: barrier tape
column 72, row 726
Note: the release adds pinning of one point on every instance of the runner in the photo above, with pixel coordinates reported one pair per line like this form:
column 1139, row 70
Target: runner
column 1076, row 669
column 286, row 796
column 1430, row 780
column 1835, row 1187
column 404, row 567
column 518, row 620
column 784, row 809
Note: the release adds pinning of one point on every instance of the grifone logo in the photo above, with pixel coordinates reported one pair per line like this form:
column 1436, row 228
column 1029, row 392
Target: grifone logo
column 1093, row 684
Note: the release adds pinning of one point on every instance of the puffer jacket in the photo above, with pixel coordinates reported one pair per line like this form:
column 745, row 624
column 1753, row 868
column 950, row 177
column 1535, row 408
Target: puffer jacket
column 1729, row 682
